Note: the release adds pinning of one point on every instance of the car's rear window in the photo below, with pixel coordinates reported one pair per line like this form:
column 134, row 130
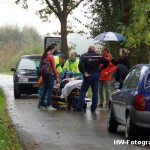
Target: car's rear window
column 28, row 63
column 148, row 82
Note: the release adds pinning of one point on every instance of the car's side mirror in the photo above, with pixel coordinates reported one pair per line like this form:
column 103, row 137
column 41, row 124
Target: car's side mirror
column 13, row 69
column 115, row 85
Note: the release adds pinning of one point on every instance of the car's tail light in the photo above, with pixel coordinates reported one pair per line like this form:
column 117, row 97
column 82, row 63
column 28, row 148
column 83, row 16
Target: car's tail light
column 140, row 102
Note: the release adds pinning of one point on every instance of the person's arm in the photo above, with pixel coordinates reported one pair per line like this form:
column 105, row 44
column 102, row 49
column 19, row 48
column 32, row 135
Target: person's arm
column 111, row 68
column 81, row 65
column 51, row 58
column 65, row 67
column 105, row 62
column 127, row 63
column 114, row 62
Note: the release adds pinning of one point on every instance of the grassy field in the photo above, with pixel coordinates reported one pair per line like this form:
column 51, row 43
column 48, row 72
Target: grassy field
column 8, row 137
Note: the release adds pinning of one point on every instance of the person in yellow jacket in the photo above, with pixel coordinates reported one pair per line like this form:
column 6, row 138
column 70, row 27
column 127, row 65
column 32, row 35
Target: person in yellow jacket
column 59, row 61
column 71, row 65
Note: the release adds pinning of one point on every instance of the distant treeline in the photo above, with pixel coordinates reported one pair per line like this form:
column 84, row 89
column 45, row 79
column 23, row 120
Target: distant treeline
column 15, row 42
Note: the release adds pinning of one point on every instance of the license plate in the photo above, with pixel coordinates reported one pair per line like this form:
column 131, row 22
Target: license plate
column 36, row 85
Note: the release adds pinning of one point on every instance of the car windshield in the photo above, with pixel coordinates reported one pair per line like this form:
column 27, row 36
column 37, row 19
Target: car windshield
column 28, row 63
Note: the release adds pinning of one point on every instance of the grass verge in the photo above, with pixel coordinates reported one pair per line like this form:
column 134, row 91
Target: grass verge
column 90, row 92
column 6, row 73
column 8, row 136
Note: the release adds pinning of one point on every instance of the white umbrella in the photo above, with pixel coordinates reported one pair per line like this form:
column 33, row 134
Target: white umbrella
column 109, row 36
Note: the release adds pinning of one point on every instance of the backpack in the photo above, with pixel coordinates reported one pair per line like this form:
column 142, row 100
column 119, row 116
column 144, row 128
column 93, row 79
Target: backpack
column 45, row 67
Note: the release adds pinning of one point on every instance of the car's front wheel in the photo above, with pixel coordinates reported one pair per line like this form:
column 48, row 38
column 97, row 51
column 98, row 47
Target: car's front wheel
column 17, row 94
column 130, row 131
column 112, row 125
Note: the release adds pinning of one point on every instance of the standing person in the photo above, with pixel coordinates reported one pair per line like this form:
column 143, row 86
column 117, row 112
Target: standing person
column 41, row 88
column 71, row 65
column 89, row 66
column 49, row 74
column 120, row 74
column 105, row 77
column 124, row 60
column 56, row 52
column 123, row 66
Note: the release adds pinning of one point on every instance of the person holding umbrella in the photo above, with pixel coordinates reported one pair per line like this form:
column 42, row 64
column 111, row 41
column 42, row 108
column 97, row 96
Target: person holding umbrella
column 123, row 63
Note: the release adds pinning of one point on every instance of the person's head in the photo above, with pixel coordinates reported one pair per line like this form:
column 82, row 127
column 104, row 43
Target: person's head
column 62, row 58
column 54, row 44
column 123, row 53
column 49, row 50
column 104, row 50
column 72, row 55
column 92, row 48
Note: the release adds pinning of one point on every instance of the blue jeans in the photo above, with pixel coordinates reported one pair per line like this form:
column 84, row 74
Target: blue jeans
column 48, row 89
column 40, row 91
column 92, row 81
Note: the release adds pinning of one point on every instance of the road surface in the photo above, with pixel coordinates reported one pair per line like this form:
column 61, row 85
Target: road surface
column 60, row 129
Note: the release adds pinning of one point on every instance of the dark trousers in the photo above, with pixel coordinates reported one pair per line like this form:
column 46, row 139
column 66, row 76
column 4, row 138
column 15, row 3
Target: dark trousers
column 48, row 89
column 92, row 81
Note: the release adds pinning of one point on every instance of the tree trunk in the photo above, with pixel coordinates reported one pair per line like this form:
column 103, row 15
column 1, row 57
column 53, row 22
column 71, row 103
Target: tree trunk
column 64, row 45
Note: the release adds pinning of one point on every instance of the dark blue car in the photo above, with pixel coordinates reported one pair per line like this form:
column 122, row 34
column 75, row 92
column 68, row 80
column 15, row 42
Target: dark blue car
column 130, row 106
column 25, row 79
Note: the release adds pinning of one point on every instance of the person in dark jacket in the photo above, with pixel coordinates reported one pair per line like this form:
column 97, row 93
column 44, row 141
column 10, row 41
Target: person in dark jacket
column 124, row 60
column 120, row 74
column 123, row 66
column 89, row 66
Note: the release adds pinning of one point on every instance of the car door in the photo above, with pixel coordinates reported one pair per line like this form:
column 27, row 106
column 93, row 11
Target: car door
column 119, row 98
column 128, row 92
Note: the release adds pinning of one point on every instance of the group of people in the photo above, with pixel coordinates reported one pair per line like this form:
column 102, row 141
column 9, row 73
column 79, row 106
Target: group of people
column 96, row 70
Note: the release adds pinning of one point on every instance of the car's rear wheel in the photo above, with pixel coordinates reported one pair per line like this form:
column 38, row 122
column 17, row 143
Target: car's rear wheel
column 17, row 94
column 112, row 125
column 130, row 131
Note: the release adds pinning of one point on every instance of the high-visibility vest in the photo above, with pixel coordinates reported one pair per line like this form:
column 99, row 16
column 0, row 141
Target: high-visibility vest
column 58, row 65
column 72, row 66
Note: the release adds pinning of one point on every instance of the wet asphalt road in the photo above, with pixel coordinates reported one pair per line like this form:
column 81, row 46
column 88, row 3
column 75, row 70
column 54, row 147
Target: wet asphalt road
column 60, row 129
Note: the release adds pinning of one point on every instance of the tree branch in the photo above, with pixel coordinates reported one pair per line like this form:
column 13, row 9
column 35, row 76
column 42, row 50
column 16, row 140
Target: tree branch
column 52, row 8
column 57, row 4
column 73, row 7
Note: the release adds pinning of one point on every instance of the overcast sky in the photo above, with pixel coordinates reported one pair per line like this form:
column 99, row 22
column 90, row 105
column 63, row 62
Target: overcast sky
column 13, row 14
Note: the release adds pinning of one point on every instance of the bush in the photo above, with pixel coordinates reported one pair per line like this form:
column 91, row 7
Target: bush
column 15, row 42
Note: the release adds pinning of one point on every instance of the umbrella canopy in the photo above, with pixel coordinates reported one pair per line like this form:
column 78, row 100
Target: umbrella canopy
column 109, row 36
